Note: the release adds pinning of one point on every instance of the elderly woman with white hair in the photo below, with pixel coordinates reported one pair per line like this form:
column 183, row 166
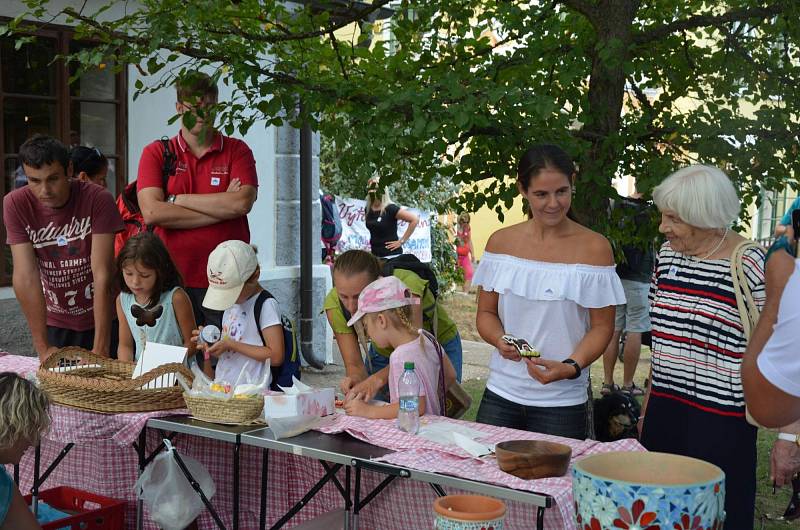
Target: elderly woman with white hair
column 694, row 405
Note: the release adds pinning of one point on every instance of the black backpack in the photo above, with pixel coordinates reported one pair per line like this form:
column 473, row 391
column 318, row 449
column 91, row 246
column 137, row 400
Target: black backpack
column 281, row 375
column 331, row 230
column 412, row 263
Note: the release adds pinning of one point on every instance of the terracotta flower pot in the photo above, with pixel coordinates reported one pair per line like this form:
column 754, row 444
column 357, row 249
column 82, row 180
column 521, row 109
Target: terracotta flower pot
column 647, row 491
column 469, row 512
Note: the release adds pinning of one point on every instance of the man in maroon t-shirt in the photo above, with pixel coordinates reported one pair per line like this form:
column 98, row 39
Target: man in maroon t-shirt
column 61, row 234
column 209, row 195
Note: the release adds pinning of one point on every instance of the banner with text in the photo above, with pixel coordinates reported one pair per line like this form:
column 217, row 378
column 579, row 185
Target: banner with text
column 356, row 235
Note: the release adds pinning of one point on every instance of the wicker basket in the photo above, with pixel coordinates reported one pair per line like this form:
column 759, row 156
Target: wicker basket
column 100, row 384
column 244, row 410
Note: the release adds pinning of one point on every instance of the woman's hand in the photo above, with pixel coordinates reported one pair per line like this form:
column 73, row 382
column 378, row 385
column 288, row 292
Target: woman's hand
column 394, row 245
column 365, row 390
column 507, row 351
column 546, row 370
column 350, row 381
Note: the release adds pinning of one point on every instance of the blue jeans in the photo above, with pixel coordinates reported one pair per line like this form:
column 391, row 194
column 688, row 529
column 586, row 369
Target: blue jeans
column 452, row 348
column 569, row 422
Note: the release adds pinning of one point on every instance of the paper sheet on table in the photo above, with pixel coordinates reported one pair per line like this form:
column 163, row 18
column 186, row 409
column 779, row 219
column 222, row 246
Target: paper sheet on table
column 442, row 432
column 469, row 445
column 296, row 388
column 153, row 356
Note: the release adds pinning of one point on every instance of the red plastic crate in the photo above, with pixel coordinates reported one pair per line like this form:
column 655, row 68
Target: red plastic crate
column 91, row 512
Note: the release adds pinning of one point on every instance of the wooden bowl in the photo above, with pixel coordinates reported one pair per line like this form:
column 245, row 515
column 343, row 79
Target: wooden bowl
column 529, row 459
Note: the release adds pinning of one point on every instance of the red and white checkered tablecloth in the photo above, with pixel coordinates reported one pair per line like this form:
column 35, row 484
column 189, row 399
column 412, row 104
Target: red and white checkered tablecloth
column 420, row 453
column 69, row 425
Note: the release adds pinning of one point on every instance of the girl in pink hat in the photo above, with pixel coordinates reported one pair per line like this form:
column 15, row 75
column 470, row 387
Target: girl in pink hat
column 385, row 305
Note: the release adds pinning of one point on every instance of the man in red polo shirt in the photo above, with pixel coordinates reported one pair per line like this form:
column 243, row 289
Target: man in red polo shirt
column 209, row 195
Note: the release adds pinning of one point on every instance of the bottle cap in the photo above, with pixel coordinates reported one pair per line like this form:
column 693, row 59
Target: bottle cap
column 409, row 365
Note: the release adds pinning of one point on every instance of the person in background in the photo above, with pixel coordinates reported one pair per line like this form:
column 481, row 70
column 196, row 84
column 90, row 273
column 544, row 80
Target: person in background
column 552, row 282
column 784, row 227
column 24, row 416
column 152, row 307
column 61, row 234
column 694, row 405
column 381, row 217
column 635, row 271
column 465, row 250
column 208, row 197
column 89, row 165
column 385, row 305
column 352, row 272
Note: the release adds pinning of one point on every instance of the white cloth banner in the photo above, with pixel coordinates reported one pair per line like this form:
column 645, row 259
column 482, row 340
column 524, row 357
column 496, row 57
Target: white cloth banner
column 356, row 236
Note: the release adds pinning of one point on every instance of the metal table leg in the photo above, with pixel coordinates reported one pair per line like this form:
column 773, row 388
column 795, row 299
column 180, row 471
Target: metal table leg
column 236, row 447
column 262, row 517
column 307, row 497
column 347, row 502
column 35, row 488
column 196, row 487
column 540, row 518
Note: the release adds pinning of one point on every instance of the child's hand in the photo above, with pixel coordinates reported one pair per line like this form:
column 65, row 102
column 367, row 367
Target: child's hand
column 357, row 407
column 219, row 347
column 196, row 338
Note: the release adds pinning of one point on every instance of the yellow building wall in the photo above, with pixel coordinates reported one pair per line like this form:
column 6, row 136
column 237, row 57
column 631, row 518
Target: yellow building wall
column 484, row 223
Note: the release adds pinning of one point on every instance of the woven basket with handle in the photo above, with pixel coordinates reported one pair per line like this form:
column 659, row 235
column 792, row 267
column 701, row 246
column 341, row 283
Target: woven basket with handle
column 78, row 378
column 235, row 410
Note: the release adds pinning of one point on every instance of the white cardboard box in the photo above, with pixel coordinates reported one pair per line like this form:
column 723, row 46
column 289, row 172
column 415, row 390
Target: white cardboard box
column 317, row 402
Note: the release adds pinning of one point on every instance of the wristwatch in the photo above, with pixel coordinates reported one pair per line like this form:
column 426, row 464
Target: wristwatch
column 786, row 437
column 171, row 199
column 575, row 365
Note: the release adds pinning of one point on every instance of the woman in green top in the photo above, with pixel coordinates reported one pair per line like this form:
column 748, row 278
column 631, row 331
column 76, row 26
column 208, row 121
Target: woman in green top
column 354, row 270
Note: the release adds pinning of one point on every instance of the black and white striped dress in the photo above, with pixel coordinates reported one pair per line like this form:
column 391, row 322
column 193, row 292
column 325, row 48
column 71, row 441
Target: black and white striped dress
column 696, row 404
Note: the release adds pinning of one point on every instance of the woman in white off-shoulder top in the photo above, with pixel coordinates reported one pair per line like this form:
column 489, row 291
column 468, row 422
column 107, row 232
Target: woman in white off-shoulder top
column 552, row 282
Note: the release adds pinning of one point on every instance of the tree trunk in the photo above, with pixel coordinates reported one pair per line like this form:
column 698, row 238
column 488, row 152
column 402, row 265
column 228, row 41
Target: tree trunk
column 613, row 22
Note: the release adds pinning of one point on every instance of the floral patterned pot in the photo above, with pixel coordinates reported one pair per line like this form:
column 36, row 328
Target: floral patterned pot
column 648, row 491
column 469, row 512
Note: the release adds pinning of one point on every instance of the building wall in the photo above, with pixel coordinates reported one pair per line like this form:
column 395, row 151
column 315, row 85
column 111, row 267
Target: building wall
column 274, row 220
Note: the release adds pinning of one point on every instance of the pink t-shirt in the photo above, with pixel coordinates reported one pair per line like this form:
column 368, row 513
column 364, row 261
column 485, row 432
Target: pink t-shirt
column 62, row 241
column 426, row 366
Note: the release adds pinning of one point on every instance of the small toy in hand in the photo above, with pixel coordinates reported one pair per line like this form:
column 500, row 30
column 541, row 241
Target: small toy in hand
column 522, row 346
column 146, row 315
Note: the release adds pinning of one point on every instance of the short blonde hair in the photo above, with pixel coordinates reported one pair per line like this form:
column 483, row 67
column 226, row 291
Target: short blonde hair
column 702, row 196
column 24, row 410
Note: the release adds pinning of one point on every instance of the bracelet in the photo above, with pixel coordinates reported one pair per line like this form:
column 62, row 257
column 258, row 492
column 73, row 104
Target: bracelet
column 641, row 418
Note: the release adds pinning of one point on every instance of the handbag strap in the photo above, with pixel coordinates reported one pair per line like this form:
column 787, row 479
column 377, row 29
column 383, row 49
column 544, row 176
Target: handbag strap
column 440, row 353
column 363, row 343
column 748, row 310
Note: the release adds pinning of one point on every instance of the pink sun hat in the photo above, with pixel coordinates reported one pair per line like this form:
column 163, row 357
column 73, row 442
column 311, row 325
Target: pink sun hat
column 384, row 293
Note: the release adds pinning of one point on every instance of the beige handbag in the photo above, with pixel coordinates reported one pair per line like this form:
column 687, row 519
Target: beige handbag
column 748, row 310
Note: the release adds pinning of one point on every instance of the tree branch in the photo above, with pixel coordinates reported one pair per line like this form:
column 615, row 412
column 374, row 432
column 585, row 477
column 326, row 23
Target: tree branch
column 702, row 21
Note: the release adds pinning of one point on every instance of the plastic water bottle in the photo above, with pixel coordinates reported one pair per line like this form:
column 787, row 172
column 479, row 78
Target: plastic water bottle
column 408, row 388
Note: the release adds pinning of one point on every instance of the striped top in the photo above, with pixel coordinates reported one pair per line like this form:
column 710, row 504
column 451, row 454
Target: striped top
column 698, row 341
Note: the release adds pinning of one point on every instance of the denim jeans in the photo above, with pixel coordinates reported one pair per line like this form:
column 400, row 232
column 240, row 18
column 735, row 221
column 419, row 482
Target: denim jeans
column 569, row 422
column 452, row 348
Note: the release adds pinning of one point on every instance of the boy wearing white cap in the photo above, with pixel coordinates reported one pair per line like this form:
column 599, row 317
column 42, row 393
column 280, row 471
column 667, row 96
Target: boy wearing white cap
column 385, row 305
column 233, row 288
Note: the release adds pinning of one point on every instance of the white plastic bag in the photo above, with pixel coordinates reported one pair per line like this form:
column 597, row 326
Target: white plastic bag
column 292, row 425
column 170, row 498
